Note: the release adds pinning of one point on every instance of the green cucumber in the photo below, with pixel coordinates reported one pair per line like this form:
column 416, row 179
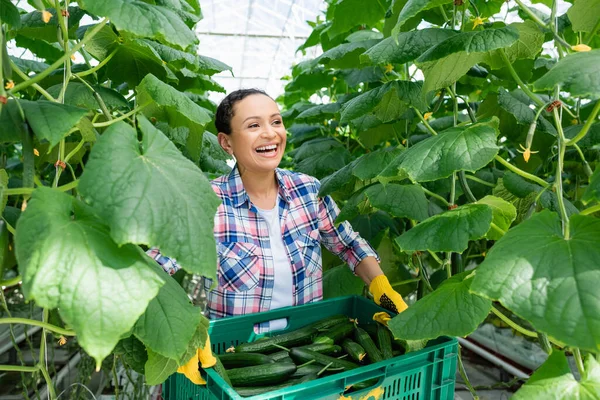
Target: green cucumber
column 289, row 339
column 365, row 384
column 318, row 347
column 303, row 355
column 335, row 334
column 363, row 338
column 260, row 375
column 220, row 369
column 329, row 322
column 247, row 391
column 238, row 360
column 354, row 350
column 307, row 369
column 384, row 341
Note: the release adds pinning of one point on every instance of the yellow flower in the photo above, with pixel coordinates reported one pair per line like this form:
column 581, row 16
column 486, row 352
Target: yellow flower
column 389, row 68
column 46, row 16
column 62, row 341
column 526, row 153
column 478, row 21
column 581, row 47
column 73, row 57
column 36, row 152
column 427, row 115
column 9, row 85
column 574, row 122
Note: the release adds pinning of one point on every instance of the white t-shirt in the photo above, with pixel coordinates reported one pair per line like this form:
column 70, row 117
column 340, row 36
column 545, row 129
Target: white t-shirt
column 283, row 283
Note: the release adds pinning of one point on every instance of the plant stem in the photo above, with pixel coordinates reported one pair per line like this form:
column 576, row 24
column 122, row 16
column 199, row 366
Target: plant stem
column 465, row 187
column 590, row 210
column 406, row 282
column 437, row 196
column 542, row 23
column 115, row 377
column 498, row 229
column 586, row 127
column 591, row 34
column 25, row 77
column 443, row 12
column 42, row 324
column 558, row 178
column 11, row 282
column 74, row 151
column 478, row 180
column 61, row 60
column 42, row 364
column 27, row 191
column 543, row 338
column 121, row 118
column 98, row 98
column 522, row 173
column 452, row 190
column 59, row 169
column 18, row 368
column 512, row 324
column 63, row 34
column 429, row 128
column 435, row 257
column 463, row 374
column 517, row 79
column 422, row 275
column 97, row 67
column 586, row 167
column 579, row 362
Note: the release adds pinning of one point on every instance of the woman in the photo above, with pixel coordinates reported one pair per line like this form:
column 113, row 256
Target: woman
column 271, row 224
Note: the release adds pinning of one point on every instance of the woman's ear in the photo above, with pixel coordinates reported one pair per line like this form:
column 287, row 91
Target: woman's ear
column 225, row 142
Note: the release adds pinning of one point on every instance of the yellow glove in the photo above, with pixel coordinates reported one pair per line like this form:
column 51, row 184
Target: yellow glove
column 385, row 296
column 205, row 358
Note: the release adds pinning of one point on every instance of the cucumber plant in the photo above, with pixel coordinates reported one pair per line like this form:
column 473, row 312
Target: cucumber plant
column 461, row 138
column 101, row 144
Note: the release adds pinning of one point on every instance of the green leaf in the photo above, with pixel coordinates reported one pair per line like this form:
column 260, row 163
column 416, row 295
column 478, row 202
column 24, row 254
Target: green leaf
column 79, row 95
column 42, row 49
column 449, row 60
column 143, row 20
column 68, row 261
column 350, row 13
column 512, row 104
column 503, row 214
column 211, row 66
column 371, row 225
column 12, row 126
column 584, row 15
column 529, row 45
column 340, row 281
column 320, row 157
column 310, row 80
column 461, row 148
column 575, row 73
column 386, row 102
column 346, row 55
column 554, row 380
column 354, row 76
column 9, row 14
column 412, row 8
column 450, row 310
column 49, row 120
column 158, row 368
column 550, row 281
column 319, row 112
column 133, row 353
column 34, row 27
column 407, row 46
column 188, row 10
column 3, row 187
column 213, row 158
column 593, row 190
column 28, row 66
column 166, row 103
column 449, row 231
column 169, row 315
column 150, row 194
column 393, row 267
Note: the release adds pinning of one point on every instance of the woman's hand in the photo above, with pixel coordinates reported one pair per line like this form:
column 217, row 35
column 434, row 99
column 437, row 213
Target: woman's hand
column 206, row 359
column 385, row 296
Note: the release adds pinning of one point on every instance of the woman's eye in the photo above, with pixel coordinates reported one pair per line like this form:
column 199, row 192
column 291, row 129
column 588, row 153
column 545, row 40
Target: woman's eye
column 253, row 126
column 277, row 122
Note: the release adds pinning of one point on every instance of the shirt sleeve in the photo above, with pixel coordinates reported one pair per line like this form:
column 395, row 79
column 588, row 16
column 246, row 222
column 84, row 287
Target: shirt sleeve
column 342, row 240
column 168, row 264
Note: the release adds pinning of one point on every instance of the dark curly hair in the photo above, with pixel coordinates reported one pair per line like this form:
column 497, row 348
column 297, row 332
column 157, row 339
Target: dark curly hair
column 225, row 108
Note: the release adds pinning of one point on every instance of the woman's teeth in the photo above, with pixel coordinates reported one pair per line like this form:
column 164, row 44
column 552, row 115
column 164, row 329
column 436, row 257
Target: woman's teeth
column 267, row 148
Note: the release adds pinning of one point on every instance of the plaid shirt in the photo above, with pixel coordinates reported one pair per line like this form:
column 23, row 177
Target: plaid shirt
column 245, row 262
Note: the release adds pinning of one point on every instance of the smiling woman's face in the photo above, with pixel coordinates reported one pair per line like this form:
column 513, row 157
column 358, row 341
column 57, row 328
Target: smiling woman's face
column 258, row 137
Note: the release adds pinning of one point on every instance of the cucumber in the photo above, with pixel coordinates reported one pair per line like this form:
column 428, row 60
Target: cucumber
column 384, row 341
column 307, row 369
column 238, row 360
column 335, row 334
column 303, row 355
column 329, row 322
column 319, row 348
column 260, row 375
column 290, row 339
column 354, row 350
column 220, row 369
column 247, row 391
column 363, row 338
column 364, row 384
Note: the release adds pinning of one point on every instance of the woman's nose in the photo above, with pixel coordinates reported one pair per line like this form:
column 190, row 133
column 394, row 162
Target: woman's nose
column 269, row 131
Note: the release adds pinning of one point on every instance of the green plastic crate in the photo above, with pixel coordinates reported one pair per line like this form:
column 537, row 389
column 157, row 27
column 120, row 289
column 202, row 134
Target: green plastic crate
column 421, row 375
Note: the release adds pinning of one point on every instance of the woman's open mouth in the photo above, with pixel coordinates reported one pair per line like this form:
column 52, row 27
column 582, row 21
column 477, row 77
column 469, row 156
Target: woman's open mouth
column 267, row 151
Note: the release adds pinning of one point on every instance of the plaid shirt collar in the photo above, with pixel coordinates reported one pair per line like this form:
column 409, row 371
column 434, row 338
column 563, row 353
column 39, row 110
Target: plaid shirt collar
column 237, row 193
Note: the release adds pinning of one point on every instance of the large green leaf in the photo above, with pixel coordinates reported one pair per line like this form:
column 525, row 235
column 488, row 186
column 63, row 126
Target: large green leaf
column 355, row 77
column 133, row 353
column 34, row 27
column 350, row 13
column 513, row 104
column 12, row 125
column 461, row 148
column 449, row 231
column 547, row 279
column 213, row 158
column 340, row 281
column 150, row 194
column 584, row 15
column 143, row 20
column 503, row 212
column 79, row 95
column 575, row 73
column 169, row 315
column 444, row 63
column 529, row 44
column 188, row 10
column 387, row 102
column 346, row 55
column 554, row 380
column 593, row 190
column 49, row 120
column 407, row 46
column 9, row 14
column 158, row 368
column 450, row 310
column 319, row 112
column 40, row 48
column 412, row 8
column 69, row 261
